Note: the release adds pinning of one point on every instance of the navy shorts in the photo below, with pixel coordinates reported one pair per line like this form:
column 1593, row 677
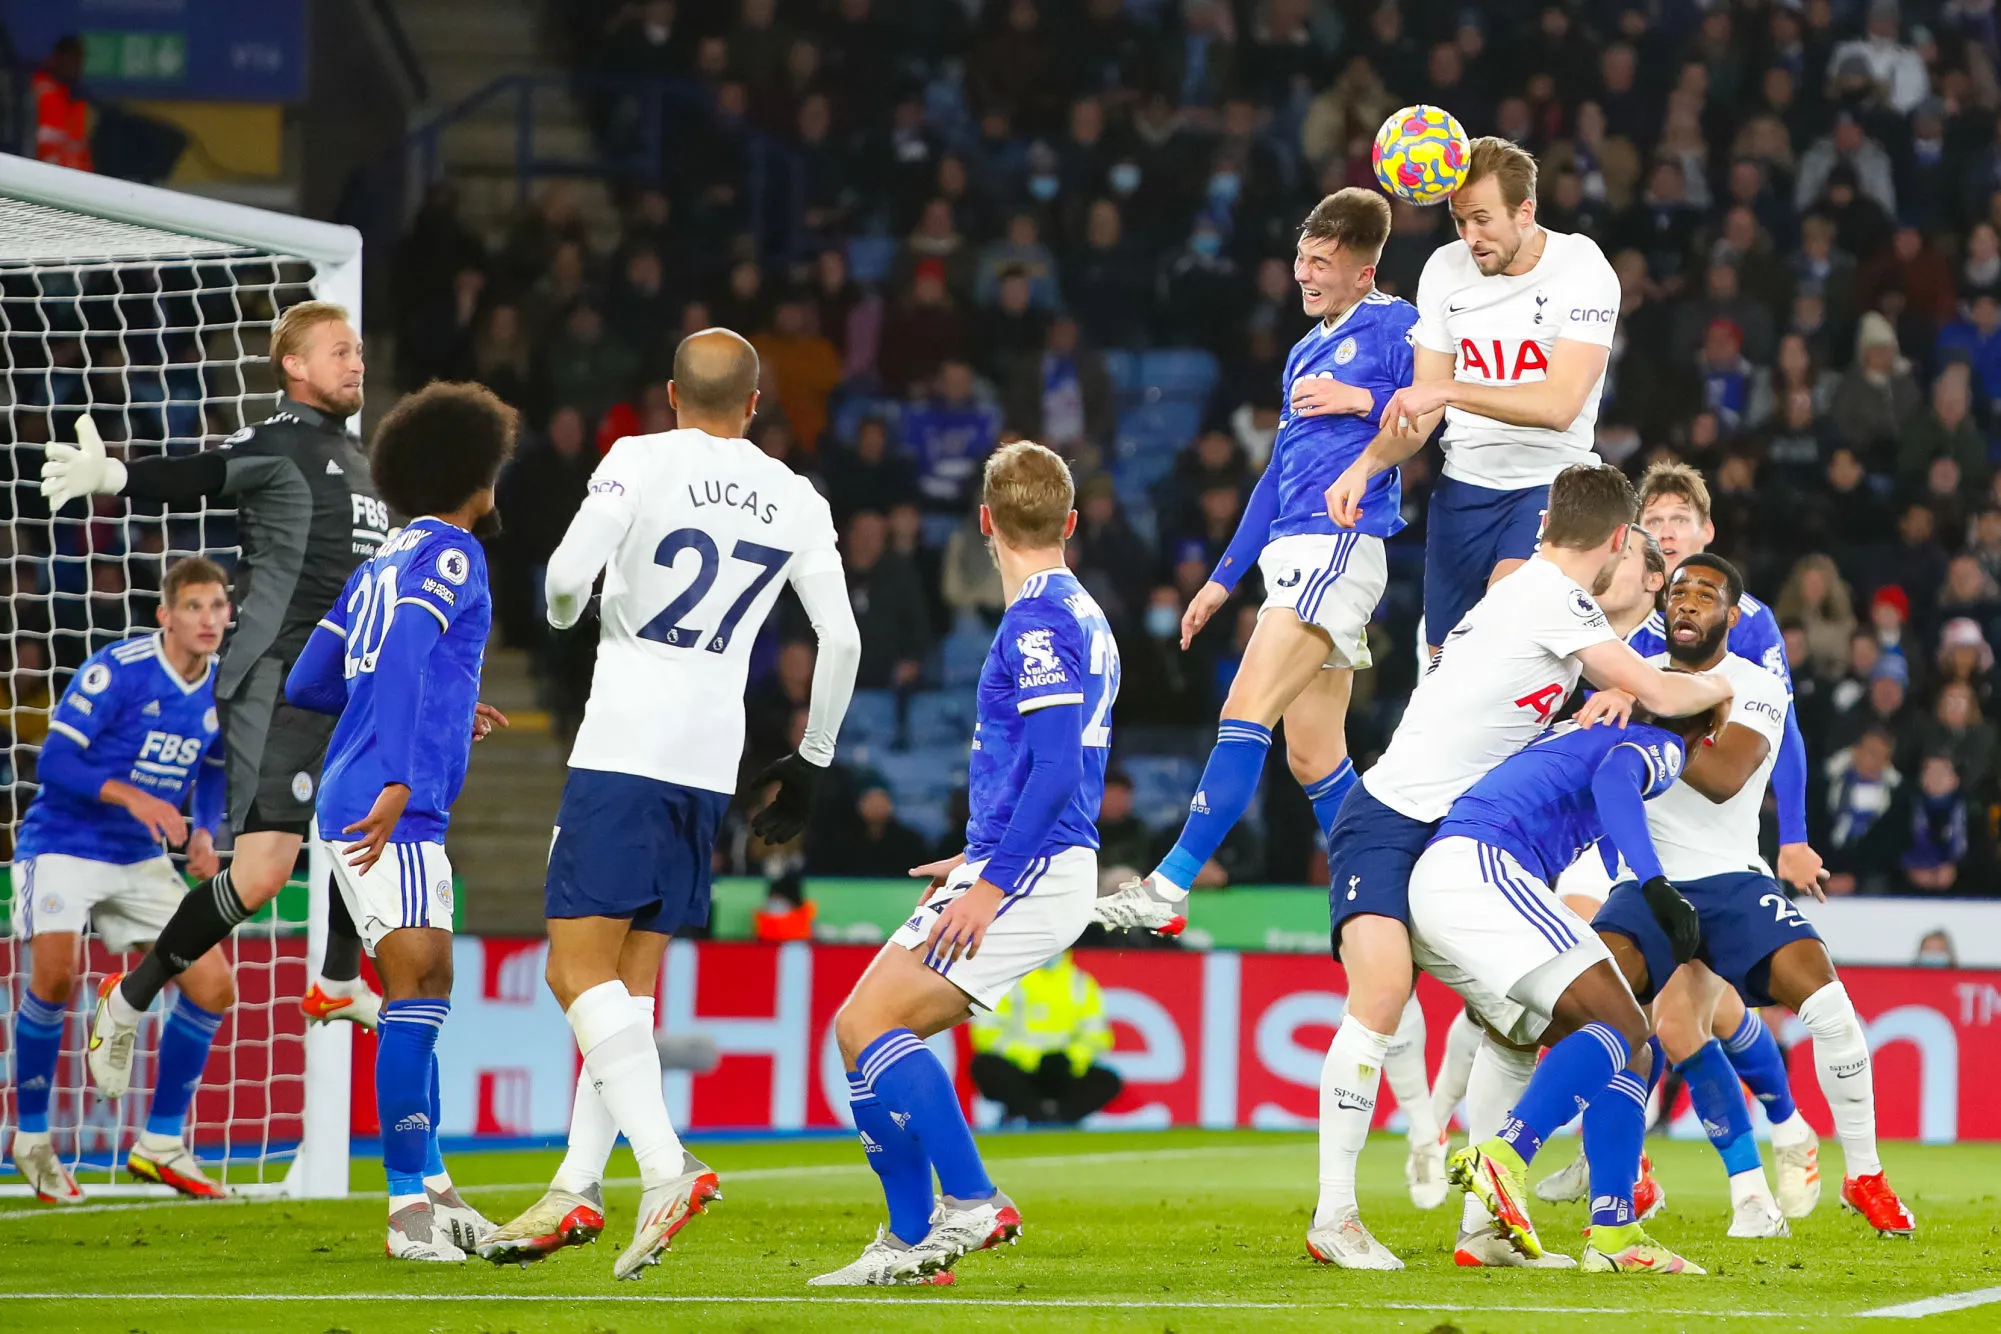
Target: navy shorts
column 633, row 847
column 1746, row 919
column 1468, row 531
column 1370, row 852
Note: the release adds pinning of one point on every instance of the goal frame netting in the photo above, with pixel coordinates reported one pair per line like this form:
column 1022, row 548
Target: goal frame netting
column 112, row 216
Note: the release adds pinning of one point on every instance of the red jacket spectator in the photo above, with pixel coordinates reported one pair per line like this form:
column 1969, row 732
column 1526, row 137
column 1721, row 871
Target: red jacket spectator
column 62, row 117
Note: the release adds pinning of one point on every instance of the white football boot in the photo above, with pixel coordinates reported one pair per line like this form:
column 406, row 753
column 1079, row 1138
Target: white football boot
column 960, row 1228
column 1797, row 1167
column 413, row 1235
column 1424, row 1173
column 109, row 1051
column 1148, row 904
column 465, row 1225
column 883, row 1263
column 664, row 1210
column 36, row 1159
column 1481, row 1248
column 1567, row 1185
column 1347, row 1242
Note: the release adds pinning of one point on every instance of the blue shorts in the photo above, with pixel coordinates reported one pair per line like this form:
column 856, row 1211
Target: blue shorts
column 1370, row 852
column 1468, row 531
column 1746, row 919
column 633, row 847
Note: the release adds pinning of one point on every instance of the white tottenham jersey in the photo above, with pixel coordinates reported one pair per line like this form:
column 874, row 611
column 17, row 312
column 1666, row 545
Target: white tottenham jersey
column 707, row 527
column 1502, row 331
column 1499, row 678
column 1697, row 837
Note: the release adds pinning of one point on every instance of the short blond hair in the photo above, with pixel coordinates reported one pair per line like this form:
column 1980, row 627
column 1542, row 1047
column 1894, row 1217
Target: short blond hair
column 1029, row 492
column 289, row 334
column 1512, row 166
column 1663, row 480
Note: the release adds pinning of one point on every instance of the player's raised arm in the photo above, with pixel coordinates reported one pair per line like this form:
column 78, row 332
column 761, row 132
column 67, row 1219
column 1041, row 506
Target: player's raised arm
column 592, row 537
column 1551, row 403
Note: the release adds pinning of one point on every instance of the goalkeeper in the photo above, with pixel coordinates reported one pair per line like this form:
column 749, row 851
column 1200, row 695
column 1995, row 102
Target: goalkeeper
column 308, row 514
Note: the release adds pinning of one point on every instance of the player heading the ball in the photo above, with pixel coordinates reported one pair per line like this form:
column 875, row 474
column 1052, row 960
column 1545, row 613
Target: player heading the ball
column 1514, row 329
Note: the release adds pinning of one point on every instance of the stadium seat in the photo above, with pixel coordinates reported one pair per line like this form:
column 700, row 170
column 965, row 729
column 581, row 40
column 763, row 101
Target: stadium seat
column 854, row 409
column 928, row 818
column 871, row 720
column 1180, row 374
column 916, row 777
column 964, row 652
column 940, row 718
column 1162, row 427
column 870, row 258
column 1123, row 369
column 1162, row 786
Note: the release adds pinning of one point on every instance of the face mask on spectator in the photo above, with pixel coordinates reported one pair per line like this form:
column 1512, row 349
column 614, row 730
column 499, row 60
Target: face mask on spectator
column 1162, row 621
column 1933, row 957
column 1044, row 188
column 1124, row 178
column 1206, row 243
column 1224, row 187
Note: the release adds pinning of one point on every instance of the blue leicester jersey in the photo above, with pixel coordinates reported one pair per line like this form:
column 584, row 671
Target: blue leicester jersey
column 138, row 721
column 1053, row 647
column 434, row 569
column 1756, row 636
column 1368, row 347
column 1537, row 803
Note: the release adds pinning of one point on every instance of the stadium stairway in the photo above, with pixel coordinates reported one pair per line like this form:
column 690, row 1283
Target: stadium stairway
column 499, row 840
column 466, row 44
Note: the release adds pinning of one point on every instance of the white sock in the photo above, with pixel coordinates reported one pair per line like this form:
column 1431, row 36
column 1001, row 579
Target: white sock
column 1348, row 1080
column 623, row 1063
column 123, row 1012
column 1793, row 1130
column 593, row 1133
column 1841, row 1054
column 1462, row 1042
column 1752, row 1186
column 398, row 1203
column 1493, row 1087
column 441, row 1182
column 1403, row 1067
column 158, row 1143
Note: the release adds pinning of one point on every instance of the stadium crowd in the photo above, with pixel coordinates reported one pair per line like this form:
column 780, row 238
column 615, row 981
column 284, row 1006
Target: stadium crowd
column 945, row 225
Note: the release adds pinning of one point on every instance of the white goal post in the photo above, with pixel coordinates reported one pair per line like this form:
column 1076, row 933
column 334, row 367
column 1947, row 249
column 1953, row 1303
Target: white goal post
column 152, row 310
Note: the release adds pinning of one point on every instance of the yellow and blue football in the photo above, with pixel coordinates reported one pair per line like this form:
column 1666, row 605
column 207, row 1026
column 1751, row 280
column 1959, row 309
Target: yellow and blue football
column 1421, row 154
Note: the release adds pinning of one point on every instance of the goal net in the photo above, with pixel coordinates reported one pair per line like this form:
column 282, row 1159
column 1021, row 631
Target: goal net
column 151, row 311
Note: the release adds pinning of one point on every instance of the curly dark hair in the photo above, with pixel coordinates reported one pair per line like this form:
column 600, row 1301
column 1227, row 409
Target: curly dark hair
column 440, row 446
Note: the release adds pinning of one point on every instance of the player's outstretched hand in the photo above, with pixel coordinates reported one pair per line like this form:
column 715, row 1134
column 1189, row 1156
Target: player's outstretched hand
column 798, row 778
column 82, row 469
column 1800, row 866
column 202, row 861
column 485, row 718
column 163, row 820
column 963, row 924
column 375, row 828
column 935, row 873
column 1325, row 396
column 1614, row 708
column 1208, row 600
column 1677, row 917
column 1344, row 498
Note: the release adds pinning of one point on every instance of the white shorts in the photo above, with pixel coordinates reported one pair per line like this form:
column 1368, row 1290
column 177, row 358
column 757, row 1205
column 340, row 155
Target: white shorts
column 1030, row 929
column 126, row 904
column 1332, row 580
column 1497, row 935
column 1585, row 878
column 409, row 885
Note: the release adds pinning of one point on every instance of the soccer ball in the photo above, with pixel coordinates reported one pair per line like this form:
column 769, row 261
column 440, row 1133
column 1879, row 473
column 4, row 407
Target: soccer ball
column 1421, row 154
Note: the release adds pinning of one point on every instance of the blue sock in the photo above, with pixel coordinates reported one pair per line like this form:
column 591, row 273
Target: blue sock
column 1328, row 793
column 1615, row 1125
column 1229, row 780
column 1657, row 1068
column 898, row 1159
column 434, row 1158
column 1569, row 1077
column 910, row 1084
column 184, row 1043
column 1754, row 1053
column 403, row 1053
column 1719, row 1101
column 38, row 1040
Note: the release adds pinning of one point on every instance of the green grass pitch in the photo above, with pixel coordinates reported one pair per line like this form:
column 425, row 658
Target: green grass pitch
column 1183, row 1231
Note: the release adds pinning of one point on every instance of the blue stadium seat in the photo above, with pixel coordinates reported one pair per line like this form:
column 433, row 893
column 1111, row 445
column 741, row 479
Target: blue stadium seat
column 941, row 718
column 921, row 776
column 964, row 652
column 871, row 720
column 1162, row 785
column 856, row 408
column 1123, row 368
column 928, row 818
column 1162, row 427
column 870, row 258
column 1184, row 374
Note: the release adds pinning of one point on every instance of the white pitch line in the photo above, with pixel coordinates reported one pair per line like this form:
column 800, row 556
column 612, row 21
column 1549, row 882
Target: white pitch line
column 1030, row 1303
column 748, row 1174
column 1952, row 1301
